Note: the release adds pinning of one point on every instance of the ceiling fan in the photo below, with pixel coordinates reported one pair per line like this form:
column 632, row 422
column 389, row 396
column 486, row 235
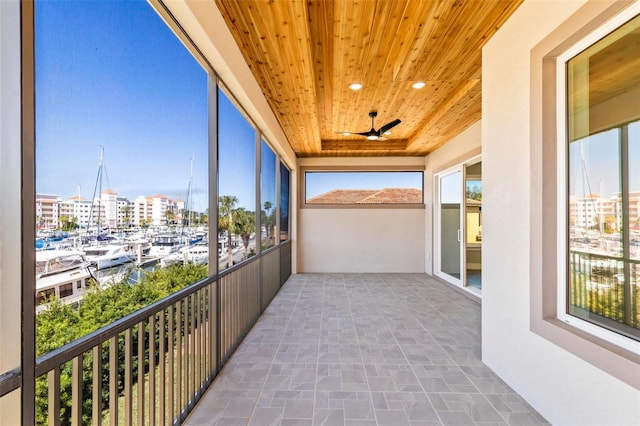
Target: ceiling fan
column 374, row 134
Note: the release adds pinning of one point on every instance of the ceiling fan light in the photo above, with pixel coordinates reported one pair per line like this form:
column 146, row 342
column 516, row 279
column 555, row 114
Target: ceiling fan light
column 372, row 137
column 387, row 133
column 418, row 84
column 355, row 86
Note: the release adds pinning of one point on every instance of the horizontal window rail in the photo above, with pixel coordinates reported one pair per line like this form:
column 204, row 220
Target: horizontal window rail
column 152, row 366
column 605, row 288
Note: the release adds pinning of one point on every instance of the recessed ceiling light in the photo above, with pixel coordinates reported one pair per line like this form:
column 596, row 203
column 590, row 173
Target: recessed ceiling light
column 418, row 84
column 387, row 133
column 346, row 133
column 355, row 86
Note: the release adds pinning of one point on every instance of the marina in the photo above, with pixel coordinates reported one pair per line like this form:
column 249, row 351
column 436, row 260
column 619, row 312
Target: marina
column 66, row 267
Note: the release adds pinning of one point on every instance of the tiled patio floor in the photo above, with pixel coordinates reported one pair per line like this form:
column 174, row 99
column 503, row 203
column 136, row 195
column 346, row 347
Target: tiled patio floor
column 363, row 349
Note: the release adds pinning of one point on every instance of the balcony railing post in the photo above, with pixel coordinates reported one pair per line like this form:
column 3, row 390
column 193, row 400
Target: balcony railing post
column 128, row 380
column 161, row 369
column 97, row 385
column 141, row 373
column 113, row 381
column 54, row 397
column 152, row 369
column 76, row 391
column 172, row 349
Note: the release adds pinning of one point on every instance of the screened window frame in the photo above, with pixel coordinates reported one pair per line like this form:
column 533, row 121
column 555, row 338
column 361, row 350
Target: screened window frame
column 260, row 137
column 279, row 167
column 277, row 162
column 302, row 187
column 221, row 88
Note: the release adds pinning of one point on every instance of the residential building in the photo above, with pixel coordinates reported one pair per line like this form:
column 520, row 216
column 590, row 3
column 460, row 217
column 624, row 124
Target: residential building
column 142, row 208
column 47, row 211
column 163, row 210
column 109, row 204
column 79, row 208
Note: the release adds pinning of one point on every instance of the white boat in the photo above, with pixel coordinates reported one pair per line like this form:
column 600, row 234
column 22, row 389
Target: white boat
column 110, row 255
column 140, row 246
column 62, row 274
column 164, row 244
column 197, row 254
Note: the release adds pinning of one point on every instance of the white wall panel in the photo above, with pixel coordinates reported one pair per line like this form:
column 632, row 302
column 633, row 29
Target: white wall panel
column 562, row 387
column 361, row 240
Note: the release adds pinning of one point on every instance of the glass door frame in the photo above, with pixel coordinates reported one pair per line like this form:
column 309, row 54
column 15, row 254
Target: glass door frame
column 437, row 217
column 438, row 227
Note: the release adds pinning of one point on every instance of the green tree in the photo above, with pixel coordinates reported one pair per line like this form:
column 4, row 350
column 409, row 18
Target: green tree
column 243, row 225
column 68, row 223
column 610, row 224
column 169, row 215
column 126, row 215
column 226, row 205
column 60, row 324
column 267, row 218
column 474, row 192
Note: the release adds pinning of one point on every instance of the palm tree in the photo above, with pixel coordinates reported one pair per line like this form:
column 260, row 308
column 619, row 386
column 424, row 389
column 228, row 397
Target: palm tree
column 244, row 224
column 169, row 215
column 126, row 215
column 266, row 217
column 64, row 222
column 226, row 204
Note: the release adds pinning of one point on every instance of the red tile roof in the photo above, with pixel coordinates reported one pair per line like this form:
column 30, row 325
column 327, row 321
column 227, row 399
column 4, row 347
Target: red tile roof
column 369, row 196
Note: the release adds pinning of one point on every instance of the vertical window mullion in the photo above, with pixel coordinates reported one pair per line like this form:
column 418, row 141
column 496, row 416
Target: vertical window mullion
column 626, row 230
column 258, row 194
column 276, row 238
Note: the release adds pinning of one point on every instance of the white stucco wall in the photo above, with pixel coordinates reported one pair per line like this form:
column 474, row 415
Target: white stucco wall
column 361, row 240
column 460, row 149
column 564, row 388
column 10, row 212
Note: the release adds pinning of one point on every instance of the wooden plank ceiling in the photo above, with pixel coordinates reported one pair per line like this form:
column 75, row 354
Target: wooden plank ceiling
column 306, row 53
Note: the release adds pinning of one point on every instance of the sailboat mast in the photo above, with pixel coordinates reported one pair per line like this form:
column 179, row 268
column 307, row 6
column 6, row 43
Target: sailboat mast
column 100, row 166
column 97, row 187
column 189, row 201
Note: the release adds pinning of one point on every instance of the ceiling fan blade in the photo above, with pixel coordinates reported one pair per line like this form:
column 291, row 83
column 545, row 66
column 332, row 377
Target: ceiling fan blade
column 371, row 132
column 389, row 126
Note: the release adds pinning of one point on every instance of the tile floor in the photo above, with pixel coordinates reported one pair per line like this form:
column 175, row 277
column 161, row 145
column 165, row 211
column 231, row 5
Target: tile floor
column 363, row 349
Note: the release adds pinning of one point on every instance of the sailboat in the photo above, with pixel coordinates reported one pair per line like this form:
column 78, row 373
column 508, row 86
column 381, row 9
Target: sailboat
column 194, row 248
column 100, row 248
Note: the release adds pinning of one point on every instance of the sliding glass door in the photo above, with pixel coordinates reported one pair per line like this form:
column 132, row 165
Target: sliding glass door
column 449, row 224
column 458, row 225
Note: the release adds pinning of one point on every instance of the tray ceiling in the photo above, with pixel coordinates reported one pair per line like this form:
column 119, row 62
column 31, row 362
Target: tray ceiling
column 305, row 54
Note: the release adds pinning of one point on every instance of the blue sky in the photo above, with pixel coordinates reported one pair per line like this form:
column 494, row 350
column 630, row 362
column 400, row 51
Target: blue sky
column 268, row 176
column 236, row 154
column 111, row 74
column 601, row 174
